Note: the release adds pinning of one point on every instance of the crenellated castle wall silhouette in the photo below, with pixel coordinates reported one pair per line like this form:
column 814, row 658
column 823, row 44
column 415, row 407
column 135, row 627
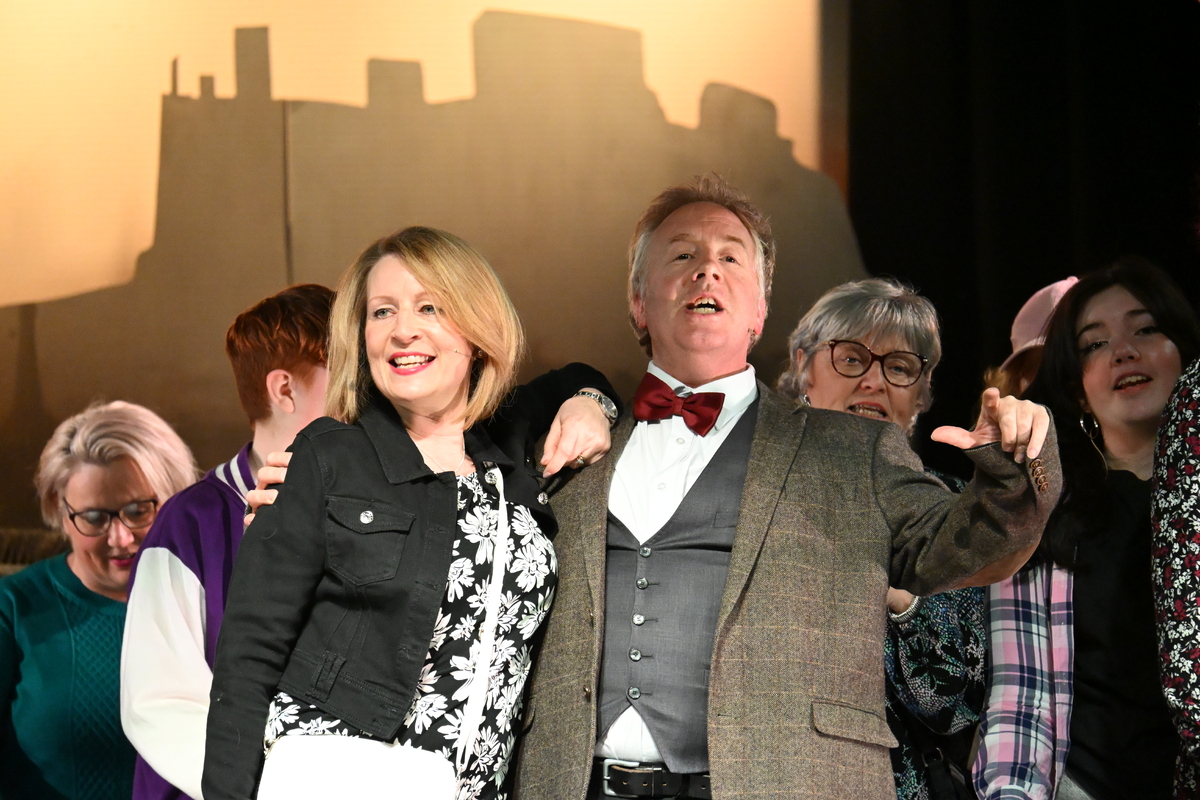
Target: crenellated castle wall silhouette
column 545, row 171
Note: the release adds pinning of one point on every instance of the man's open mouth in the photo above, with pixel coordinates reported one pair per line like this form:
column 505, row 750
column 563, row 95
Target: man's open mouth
column 705, row 305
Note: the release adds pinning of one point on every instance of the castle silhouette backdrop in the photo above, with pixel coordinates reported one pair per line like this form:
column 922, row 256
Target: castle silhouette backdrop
column 545, row 171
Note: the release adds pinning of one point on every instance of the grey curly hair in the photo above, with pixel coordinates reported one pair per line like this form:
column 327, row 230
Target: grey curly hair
column 872, row 308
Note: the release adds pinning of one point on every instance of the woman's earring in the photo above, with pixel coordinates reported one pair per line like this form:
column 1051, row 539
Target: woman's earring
column 1089, row 426
column 1091, row 429
column 804, row 399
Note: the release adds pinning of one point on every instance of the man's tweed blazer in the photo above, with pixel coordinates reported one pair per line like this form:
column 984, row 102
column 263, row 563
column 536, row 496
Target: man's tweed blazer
column 835, row 507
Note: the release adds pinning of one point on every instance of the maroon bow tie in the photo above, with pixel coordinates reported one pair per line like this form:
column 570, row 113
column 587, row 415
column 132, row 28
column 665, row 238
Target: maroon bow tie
column 654, row 400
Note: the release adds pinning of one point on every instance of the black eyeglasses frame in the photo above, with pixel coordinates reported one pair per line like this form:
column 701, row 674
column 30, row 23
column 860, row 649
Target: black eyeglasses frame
column 117, row 514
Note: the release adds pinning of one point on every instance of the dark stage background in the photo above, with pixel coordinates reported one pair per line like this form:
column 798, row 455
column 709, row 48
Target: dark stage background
column 997, row 147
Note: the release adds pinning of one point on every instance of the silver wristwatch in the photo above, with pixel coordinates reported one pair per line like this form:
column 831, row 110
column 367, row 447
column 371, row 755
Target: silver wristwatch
column 607, row 406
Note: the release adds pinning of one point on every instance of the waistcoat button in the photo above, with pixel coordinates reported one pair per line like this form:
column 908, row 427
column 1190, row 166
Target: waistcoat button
column 366, row 517
column 634, row 693
column 642, row 583
column 645, row 552
column 587, row 693
column 638, row 619
column 635, row 655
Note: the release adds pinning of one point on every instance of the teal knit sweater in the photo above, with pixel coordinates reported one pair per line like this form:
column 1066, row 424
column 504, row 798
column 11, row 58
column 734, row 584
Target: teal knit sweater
column 60, row 717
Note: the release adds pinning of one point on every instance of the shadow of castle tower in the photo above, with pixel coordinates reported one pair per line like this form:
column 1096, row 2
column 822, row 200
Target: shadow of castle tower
column 545, row 171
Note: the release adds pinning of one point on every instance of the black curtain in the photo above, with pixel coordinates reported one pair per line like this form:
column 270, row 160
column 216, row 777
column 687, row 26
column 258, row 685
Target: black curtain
column 996, row 147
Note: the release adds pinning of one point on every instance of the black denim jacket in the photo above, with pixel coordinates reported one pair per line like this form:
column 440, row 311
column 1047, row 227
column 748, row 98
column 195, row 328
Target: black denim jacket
column 337, row 585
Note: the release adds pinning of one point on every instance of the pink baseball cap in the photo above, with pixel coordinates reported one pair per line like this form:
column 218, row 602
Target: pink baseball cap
column 1029, row 326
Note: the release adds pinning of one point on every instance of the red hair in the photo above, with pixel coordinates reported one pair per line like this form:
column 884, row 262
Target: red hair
column 287, row 331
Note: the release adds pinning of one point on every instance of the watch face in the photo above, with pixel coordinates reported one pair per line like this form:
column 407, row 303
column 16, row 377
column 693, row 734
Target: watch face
column 607, row 406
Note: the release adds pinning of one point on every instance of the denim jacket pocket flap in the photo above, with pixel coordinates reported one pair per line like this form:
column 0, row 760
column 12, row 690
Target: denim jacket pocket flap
column 849, row 722
column 368, row 516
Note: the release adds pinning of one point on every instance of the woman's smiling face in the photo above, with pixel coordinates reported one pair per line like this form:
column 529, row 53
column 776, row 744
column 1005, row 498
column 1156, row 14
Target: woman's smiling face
column 418, row 359
column 1129, row 365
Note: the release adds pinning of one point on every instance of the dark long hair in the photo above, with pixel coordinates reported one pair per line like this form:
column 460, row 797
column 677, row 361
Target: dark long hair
column 1059, row 386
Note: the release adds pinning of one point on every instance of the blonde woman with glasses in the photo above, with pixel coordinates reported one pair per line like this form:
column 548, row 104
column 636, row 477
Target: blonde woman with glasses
column 102, row 478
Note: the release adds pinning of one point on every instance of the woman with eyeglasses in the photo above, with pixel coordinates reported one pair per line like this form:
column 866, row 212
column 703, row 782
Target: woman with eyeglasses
column 869, row 348
column 101, row 479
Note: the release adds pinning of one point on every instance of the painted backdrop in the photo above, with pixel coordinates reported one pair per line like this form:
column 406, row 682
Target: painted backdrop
column 544, row 168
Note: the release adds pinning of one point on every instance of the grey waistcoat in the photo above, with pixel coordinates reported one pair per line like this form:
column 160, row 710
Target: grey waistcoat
column 661, row 606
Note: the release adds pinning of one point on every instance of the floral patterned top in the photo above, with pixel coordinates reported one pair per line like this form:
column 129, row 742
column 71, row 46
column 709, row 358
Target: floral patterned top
column 936, row 666
column 935, row 663
column 500, row 588
column 1175, row 512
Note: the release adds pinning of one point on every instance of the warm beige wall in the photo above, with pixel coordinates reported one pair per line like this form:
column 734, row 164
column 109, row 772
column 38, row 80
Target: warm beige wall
column 80, row 87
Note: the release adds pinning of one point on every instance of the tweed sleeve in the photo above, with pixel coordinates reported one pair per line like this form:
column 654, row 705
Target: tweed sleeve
column 940, row 539
column 1175, row 512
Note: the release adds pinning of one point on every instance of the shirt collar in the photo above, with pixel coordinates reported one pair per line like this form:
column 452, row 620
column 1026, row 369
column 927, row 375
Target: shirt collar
column 236, row 473
column 740, row 390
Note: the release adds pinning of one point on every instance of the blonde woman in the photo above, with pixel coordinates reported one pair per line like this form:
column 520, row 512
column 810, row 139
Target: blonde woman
column 383, row 611
column 101, row 480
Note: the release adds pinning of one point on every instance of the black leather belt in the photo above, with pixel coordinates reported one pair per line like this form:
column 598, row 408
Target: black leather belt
column 632, row 779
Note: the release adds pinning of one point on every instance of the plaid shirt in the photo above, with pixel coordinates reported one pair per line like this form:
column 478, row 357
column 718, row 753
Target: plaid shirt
column 1025, row 727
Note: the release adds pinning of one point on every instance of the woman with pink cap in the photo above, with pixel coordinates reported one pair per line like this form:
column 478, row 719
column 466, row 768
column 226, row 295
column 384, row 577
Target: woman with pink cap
column 1075, row 710
column 1028, row 336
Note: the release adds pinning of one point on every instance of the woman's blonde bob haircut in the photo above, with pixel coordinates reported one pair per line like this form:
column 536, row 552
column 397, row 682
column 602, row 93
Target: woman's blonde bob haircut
column 467, row 294
column 102, row 434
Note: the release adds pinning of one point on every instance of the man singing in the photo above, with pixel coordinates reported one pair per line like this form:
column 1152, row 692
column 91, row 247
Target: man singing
column 719, row 624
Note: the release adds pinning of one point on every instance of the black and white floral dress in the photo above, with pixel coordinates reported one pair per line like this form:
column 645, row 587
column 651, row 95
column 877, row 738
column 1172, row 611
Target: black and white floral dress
column 464, row 710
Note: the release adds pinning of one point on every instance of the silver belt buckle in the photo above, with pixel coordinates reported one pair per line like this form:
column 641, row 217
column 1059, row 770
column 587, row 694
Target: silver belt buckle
column 608, row 762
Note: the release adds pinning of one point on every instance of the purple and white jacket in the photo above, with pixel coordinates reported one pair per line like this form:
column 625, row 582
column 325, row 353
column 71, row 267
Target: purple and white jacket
column 176, row 603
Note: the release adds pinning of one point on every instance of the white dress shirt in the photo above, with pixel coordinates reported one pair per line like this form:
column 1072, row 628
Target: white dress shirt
column 655, row 471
